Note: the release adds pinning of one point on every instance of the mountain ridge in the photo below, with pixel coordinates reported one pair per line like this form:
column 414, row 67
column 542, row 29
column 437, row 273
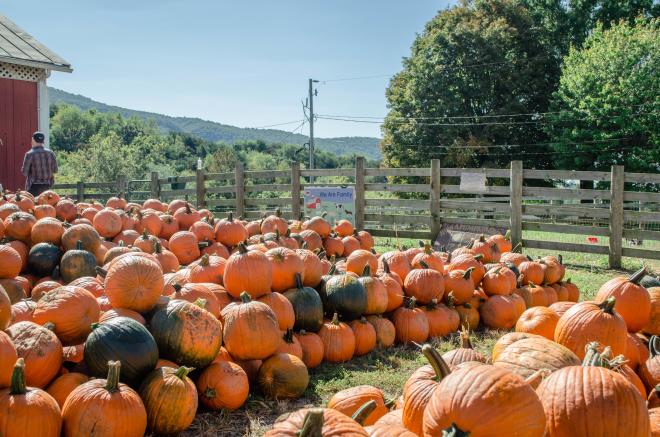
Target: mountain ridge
column 213, row 131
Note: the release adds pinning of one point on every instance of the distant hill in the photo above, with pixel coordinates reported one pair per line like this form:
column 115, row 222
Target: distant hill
column 212, row 131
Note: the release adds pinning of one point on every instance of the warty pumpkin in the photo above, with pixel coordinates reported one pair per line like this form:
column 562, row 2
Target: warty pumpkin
column 338, row 340
column 27, row 411
column 633, row 302
column 249, row 271
column 170, row 400
column 124, row 340
column 223, row 385
column 411, row 323
column 458, row 404
column 87, row 409
column 41, row 350
column 22, row 311
column 71, row 309
column 419, row 388
column 349, row 401
column 283, row 376
column 186, row 333
column 529, row 355
column 251, row 330
column 589, row 321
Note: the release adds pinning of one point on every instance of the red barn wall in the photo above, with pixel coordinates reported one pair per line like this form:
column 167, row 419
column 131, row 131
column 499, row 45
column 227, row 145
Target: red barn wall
column 18, row 120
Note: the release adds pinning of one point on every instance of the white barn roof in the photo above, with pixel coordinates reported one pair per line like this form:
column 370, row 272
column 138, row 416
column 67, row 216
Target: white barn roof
column 19, row 47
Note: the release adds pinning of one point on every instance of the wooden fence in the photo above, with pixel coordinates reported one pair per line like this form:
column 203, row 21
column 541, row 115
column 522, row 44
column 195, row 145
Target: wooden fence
column 614, row 217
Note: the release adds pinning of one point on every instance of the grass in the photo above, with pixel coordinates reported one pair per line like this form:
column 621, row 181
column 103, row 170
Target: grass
column 389, row 369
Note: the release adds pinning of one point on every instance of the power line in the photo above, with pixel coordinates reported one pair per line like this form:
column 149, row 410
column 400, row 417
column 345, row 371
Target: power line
column 277, row 124
column 345, row 79
column 489, row 146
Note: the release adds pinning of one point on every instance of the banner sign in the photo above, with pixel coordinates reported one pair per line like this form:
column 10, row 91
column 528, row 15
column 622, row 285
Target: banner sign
column 337, row 202
column 452, row 236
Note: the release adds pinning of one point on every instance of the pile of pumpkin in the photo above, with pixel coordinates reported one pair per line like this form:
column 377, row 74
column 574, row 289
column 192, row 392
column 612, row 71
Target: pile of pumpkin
column 167, row 307
column 586, row 369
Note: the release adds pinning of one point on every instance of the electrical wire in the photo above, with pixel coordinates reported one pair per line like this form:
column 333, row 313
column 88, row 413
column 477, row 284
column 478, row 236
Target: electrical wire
column 277, row 124
column 492, row 146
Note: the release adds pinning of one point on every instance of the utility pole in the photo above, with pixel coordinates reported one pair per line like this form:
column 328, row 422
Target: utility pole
column 312, row 93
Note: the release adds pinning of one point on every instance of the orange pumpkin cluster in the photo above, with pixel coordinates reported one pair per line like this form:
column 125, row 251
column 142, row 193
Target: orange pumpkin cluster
column 109, row 307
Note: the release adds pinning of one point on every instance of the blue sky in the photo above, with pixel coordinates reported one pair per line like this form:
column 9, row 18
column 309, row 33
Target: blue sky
column 241, row 63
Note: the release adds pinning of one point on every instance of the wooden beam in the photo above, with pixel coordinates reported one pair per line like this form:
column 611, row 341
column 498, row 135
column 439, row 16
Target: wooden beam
column 295, row 189
column 566, row 247
column 240, row 189
column 200, row 186
column 436, row 190
column 155, row 185
column 359, row 192
column 515, row 201
column 616, row 216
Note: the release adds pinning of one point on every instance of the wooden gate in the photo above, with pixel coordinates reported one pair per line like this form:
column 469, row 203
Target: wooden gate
column 18, row 121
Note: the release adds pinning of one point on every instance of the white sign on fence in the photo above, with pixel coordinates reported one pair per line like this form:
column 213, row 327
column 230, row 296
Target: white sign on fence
column 473, row 182
column 337, row 202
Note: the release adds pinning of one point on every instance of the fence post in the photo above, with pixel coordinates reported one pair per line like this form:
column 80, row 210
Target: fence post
column 80, row 191
column 200, row 187
column 295, row 190
column 155, row 185
column 436, row 188
column 515, row 201
column 240, row 189
column 359, row 193
column 121, row 186
column 616, row 215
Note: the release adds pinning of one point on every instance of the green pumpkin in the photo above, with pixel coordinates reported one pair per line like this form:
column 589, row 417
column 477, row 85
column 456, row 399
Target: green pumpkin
column 307, row 306
column 77, row 263
column 121, row 339
column 346, row 296
column 43, row 259
column 649, row 281
column 186, row 333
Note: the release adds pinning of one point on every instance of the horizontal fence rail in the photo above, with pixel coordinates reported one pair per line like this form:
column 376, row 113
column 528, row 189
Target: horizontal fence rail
column 610, row 217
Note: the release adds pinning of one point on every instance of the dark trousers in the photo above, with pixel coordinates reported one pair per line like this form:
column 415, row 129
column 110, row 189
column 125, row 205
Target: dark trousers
column 36, row 189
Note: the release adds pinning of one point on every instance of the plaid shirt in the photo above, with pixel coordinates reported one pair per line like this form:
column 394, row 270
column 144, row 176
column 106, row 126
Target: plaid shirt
column 39, row 166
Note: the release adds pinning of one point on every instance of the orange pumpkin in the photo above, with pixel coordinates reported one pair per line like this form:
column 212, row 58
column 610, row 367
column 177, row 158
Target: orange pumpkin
column 134, row 282
column 312, row 348
column 285, row 265
column 282, row 309
column 338, row 340
column 397, row 262
column 71, row 309
column 531, row 272
column 63, row 385
column 350, row 400
column 10, row 262
column 424, row 284
column 122, row 312
column 633, row 302
column 433, row 259
column 107, row 223
column 442, row 320
column 393, row 286
column 319, row 225
column 538, row 320
column 464, row 262
column 321, row 422
column 460, row 285
column 273, row 223
column 86, row 409
column 223, row 385
column 351, row 244
column 47, row 230
column 8, row 357
column 313, row 267
column 385, row 331
column 365, row 336
column 230, row 232
column 251, row 330
column 27, row 411
column 499, row 312
column 185, row 246
column 249, row 271
column 344, row 228
column 533, row 295
column 464, row 353
column 500, row 280
column 410, row 322
column 283, row 376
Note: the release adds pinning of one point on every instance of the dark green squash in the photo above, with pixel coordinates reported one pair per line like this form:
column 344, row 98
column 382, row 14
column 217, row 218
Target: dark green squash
column 77, row 263
column 320, row 288
column 307, row 306
column 649, row 281
column 121, row 339
column 345, row 296
column 186, row 333
column 43, row 259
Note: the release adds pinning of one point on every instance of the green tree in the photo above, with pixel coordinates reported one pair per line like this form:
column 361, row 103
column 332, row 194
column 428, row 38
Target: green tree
column 607, row 100
column 71, row 128
column 479, row 59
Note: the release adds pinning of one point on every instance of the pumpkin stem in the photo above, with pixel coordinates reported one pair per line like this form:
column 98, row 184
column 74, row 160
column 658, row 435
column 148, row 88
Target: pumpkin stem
column 333, row 267
column 454, row 431
column 386, row 266
column 17, row 385
column 112, row 382
column 560, row 258
column 421, row 243
column 335, row 319
column 451, row 300
column 313, row 424
column 465, row 339
column 49, row 325
column 157, row 247
column 654, row 345
column 427, row 249
column 94, row 325
column 245, row 297
column 468, row 273
column 363, row 412
column 423, row 264
column 482, row 238
column 517, row 248
column 188, row 210
column 608, row 305
column 278, row 212
column 507, row 235
column 101, row 272
column 241, row 248
column 436, row 361
column 638, row 275
column 412, row 303
column 204, row 260
column 79, row 245
column 479, row 256
column 177, row 287
column 288, row 336
column 367, row 271
column 183, row 371
column 535, row 378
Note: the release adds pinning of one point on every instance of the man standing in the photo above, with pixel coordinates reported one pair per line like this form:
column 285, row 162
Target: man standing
column 39, row 166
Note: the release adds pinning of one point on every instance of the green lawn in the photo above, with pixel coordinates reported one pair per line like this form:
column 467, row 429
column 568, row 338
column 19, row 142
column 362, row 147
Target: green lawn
column 389, row 369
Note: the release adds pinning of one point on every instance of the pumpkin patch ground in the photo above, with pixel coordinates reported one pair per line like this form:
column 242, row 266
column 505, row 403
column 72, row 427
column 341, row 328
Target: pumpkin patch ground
column 216, row 326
